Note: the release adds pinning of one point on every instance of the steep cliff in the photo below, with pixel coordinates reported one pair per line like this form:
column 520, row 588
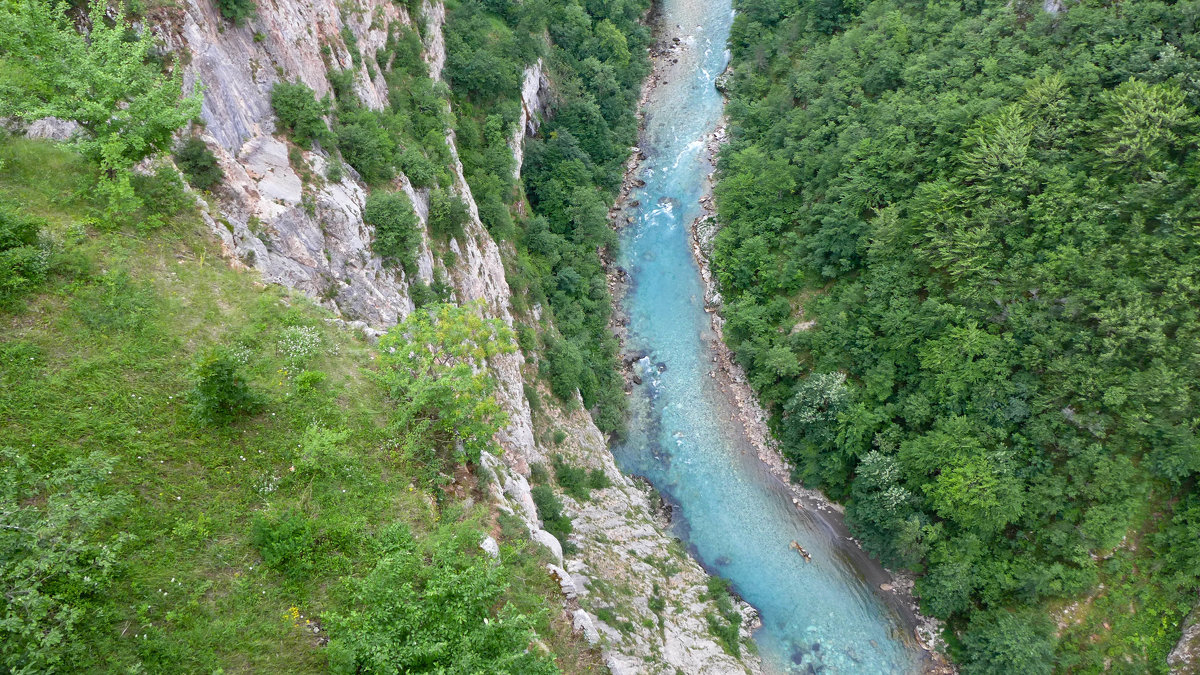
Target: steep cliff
column 277, row 215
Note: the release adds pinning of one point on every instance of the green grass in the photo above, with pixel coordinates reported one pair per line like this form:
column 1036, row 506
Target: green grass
column 100, row 359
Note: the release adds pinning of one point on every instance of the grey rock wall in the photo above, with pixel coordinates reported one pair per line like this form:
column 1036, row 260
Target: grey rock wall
column 278, row 215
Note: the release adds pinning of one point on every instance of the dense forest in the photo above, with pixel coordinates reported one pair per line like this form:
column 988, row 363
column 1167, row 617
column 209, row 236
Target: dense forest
column 961, row 259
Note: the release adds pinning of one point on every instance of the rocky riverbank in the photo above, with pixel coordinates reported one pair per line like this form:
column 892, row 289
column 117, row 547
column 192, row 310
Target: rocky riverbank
column 896, row 588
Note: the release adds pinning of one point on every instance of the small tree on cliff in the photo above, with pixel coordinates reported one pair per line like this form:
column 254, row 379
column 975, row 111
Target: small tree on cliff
column 433, row 368
column 105, row 79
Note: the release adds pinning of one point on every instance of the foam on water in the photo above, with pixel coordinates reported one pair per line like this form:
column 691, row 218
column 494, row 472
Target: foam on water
column 738, row 519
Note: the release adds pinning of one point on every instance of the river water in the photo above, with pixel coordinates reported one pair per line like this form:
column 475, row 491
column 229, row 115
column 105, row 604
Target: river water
column 738, row 519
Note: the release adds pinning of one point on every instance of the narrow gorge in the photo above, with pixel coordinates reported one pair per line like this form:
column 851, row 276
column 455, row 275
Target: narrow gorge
column 821, row 611
column 634, row 336
column 312, row 237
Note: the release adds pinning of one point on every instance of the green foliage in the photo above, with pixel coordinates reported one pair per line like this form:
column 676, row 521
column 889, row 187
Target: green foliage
column 564, row 368
column 549, row 508
column 58, row 555
column 429, row 367
column 596, row 58
column 115, row 303
column 432, row 607
column 221, row 394
column 366, row 144
column 421, row 172
column 300, row 113
column 397, row 230
column 24, row 255
column 237, row 11
column 285, row 543
column 1001, row 642
column 108, row 363
column 163, row 196
column 484, row 57
column 105, row 81
column 724, row 624
column 198, row 163
column 578, row 481
column 956, row 270
column 447, row 213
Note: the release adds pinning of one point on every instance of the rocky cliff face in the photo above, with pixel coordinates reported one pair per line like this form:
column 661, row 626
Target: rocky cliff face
column 277, row 215
column 1185, row 658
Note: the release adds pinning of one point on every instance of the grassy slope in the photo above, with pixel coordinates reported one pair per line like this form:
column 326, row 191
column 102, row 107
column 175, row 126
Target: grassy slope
column 98, row 360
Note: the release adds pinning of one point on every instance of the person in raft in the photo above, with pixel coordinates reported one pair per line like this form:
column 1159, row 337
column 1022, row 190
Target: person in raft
column 800, row 549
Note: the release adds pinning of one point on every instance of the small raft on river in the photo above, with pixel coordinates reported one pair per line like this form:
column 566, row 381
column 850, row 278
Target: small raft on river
column 801, row 551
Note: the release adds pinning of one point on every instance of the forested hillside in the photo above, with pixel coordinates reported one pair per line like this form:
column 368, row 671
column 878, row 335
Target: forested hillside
column 961, row 259
column 572, row 170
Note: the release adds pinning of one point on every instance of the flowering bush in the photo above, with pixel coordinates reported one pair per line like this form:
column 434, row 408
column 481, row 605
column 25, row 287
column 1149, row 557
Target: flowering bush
column 298, row 343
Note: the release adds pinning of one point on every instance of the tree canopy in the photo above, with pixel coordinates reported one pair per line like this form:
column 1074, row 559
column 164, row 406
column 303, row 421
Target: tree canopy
column 961, row 260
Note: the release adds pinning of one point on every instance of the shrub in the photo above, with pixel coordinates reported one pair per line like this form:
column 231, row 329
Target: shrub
column 236, row 10
column 333, row 173
column 577, row 481
column 432, row 607
column 162, row 195
column 564, row 368
column 300, row 113
column 397, row 230
column 421, row 172
column 531, row 395
column 726, row 622
column 60, row 555
column 406, row 48
column 1000, row 641
column 447, row 213
column 443, row 401
column 572, row 479
column 285, row 543
column 422, row 294
column 221, row 393
column 24, row 256
column 494, row 214
column 538, row 475
column 198, row 163
column 368, row 147
column 106, row 79
column 598, row 480
column 321, row 452
column 549, row 508
column 310, row 380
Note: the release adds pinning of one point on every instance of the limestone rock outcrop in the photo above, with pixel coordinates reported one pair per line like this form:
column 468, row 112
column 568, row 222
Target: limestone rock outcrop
column 279, row 214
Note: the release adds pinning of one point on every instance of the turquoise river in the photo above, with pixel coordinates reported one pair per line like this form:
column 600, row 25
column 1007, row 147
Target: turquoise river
column 738, row 520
